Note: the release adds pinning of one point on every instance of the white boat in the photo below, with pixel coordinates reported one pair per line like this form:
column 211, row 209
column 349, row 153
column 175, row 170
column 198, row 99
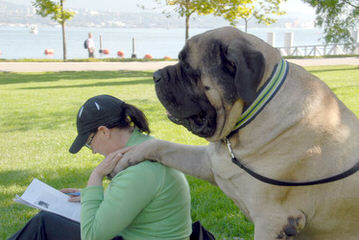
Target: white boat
column 33, row 29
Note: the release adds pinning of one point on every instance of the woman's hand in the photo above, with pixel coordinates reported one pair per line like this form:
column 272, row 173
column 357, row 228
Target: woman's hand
column 105, row 167
column 73, row 198
column 136, row 154
column 108, row 164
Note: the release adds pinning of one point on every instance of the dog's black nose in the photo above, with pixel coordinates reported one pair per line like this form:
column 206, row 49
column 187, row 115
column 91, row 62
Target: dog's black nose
column 157, row 76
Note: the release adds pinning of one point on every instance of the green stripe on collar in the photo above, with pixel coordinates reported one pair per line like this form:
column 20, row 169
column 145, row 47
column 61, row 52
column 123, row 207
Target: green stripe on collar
column 265, row 95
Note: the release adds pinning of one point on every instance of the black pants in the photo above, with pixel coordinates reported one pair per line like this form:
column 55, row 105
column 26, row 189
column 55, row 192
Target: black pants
column 49, row 226
column 91, row 53
column 46, row 225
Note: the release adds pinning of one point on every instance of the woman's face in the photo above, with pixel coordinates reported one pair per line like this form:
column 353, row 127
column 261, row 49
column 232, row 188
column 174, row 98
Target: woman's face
column 106, row 141
column 90, row 142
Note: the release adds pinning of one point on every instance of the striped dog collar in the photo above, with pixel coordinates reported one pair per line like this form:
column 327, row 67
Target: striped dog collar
column 267, row 92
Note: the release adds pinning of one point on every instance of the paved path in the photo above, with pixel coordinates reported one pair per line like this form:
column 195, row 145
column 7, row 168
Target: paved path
column 139, row 66
column 80, row 66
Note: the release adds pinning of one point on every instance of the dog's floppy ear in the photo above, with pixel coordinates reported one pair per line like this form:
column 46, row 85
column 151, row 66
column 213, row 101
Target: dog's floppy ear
column 249, row 64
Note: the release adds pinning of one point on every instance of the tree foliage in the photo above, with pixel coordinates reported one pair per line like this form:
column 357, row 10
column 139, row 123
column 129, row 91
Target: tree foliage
column 231, row 10
column 186, row 8
column 45, row 8
column 57, row 13
column 338, row 18
column 262, row 10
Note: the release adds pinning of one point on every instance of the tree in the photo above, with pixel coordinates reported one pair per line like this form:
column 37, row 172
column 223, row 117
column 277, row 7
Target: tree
column 186, row 8
column 261, row 10
column 338, row 17
column 56, row 10
column 231, row 10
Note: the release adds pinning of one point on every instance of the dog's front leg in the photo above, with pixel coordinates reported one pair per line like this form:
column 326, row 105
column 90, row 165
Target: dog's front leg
column 277, row 226
column 191, row 160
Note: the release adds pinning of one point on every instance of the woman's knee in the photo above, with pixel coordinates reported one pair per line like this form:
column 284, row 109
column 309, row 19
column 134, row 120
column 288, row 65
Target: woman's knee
column 44, row 216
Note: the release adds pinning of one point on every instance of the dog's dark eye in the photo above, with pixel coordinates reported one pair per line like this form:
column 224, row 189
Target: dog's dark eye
column 188, row 72
column 206, row 88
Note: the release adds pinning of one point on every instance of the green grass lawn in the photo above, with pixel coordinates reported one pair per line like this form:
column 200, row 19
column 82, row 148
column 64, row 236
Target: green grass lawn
column 37, row 125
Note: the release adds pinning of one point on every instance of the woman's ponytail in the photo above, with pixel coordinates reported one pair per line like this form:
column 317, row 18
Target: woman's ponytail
column 137, row 117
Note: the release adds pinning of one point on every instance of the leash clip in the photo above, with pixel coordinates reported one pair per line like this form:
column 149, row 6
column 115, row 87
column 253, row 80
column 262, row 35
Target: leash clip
column 230, row 148
column 234, row 159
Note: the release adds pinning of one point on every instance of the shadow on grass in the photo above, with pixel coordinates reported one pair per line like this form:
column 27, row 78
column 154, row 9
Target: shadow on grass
column 14, row 78
column 333, row 69
column 38, row 121
column 60, row 177
column 11, row 177
column 97, row 84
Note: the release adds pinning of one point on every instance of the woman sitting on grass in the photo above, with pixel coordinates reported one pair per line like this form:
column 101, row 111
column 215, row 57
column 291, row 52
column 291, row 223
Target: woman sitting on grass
column 145, row 201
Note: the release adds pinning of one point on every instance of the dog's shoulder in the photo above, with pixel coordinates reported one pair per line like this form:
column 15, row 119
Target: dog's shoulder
column 222, row 165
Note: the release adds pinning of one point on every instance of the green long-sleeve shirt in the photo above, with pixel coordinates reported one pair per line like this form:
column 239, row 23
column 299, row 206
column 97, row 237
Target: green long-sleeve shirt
column 145, row 201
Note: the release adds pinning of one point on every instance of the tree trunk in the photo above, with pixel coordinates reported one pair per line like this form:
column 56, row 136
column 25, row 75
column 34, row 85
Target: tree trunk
column 63, row 30
column 63, row 41
column 187, row 27
column 246, row 24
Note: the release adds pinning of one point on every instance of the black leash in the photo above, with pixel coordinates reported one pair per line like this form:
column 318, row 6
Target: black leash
column 262, row 178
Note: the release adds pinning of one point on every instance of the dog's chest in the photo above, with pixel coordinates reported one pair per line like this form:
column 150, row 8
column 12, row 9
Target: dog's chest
column 222, row 165
column 230, row 178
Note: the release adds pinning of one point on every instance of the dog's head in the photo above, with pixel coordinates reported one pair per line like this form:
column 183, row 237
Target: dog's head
column 218, row 72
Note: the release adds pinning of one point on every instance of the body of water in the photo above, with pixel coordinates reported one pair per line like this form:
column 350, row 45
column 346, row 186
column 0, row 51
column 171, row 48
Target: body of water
column 18, row 42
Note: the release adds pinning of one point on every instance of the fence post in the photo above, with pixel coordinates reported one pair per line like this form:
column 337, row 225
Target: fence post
column 271, row 38
column 288, row 42
column 133, row 55
column 100, row 50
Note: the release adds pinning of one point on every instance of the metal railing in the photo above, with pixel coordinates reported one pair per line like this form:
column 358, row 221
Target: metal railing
column 317, row 50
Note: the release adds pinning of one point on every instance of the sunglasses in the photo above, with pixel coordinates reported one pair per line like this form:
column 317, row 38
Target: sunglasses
column 88, row 144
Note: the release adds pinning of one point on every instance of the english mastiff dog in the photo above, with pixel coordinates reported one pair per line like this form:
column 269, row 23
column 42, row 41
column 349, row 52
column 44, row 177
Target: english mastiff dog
column 282, row 146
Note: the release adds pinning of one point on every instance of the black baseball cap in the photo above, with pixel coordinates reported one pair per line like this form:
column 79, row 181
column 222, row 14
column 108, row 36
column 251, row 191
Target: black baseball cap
column 101, row 110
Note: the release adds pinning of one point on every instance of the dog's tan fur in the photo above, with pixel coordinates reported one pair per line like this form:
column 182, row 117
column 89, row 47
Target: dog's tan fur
column 304, row 133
